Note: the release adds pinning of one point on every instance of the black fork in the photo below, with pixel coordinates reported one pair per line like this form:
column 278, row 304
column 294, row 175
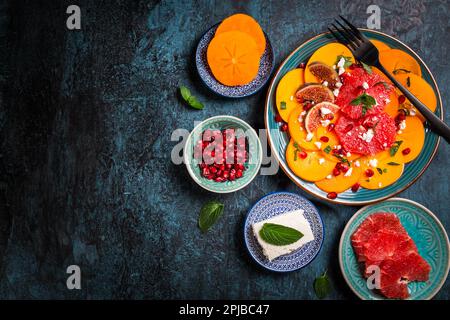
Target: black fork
column 363, row 50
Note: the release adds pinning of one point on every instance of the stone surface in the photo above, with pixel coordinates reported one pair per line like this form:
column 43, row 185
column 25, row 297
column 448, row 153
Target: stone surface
column 86, row 175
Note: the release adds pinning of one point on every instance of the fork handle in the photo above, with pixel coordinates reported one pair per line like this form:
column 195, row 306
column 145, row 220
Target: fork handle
column 436, row 125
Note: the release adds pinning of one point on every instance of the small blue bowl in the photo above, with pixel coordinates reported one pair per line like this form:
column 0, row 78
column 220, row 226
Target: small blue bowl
column 265, row 69
column 275, row 204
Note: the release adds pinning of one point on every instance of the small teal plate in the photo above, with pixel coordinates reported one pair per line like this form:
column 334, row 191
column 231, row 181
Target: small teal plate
column 279, row 140
column 254, row 151
column 423, row 227
column 275, row 204
column 265, row 69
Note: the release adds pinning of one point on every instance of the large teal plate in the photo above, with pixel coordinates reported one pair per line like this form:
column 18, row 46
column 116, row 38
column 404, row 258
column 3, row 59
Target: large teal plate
column 278, row 140
column 423, row 227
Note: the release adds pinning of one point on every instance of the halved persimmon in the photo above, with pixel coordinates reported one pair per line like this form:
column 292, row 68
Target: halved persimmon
column 244, row 23
column 233, row 58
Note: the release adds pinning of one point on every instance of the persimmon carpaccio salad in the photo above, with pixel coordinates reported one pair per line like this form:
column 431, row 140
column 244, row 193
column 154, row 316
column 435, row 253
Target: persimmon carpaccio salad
column 349, row 127
column 235, row 52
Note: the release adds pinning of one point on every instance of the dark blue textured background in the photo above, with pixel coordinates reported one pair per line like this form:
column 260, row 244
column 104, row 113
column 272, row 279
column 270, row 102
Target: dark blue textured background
column 85, row 170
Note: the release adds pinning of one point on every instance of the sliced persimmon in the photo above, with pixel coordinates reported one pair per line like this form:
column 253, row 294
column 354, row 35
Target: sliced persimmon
column 298, row 132
column 388, row 170
column 312, row 168
column 420, row 89
column 341, row 182
column 233, row 58
column 381, row 46
column 285, row 94
column 328, row 55
column 413, row 138
column 398, row 61
column 244, row 23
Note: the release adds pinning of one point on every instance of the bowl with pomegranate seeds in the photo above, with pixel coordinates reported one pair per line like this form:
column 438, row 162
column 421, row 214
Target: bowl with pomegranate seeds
column 223, row 154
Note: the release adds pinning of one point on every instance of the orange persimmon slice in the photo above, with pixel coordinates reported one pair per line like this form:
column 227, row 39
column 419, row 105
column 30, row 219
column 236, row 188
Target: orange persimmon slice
column 398, row 61
column 244, row 23
column 233, row 58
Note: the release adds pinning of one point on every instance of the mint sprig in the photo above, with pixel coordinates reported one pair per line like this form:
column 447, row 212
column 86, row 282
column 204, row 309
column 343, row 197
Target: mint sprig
column 190, row 99
column 367, row 67
column 348, row 61
column 365, row 101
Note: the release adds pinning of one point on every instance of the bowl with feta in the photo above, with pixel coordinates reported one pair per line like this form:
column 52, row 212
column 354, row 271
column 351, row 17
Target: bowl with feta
column 283, row 232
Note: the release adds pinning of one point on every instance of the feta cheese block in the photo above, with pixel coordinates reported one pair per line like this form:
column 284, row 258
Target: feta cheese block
column 292, row 219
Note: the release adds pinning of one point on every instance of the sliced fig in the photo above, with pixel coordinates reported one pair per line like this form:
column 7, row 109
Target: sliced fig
column 315, row 93
column 324, row 72
column 320, row 112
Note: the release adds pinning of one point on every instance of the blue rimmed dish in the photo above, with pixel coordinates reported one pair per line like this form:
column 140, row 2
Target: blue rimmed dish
column 252, row 165
column 275, row 204
column 422, row 226
column 266, row 66
column 279, row 140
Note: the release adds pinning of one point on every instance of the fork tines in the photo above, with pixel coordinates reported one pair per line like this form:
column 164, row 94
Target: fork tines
column 349, row 35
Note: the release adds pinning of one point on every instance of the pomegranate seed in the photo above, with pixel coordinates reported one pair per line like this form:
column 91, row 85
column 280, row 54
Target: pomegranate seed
column 284, row 127
column 330, row 127
column 329, row 116
column 228, row 166
column 222, row 167
column 302, row 65
column 303, row 154
column 218, row 179
column 401, row 99
column 355, row 187
column 336, row 172
column 401, row 116
column 324, row 139
column 369, row 172
column 225, row 174
column 232, row 177
column 209, row 177
column 338, row 165
column 213, row 169
column 406, row 151
column 278, row 118
column 238, row 173
column 332, row 195
column 348, row 128
column 307, row 106
column 344, row 167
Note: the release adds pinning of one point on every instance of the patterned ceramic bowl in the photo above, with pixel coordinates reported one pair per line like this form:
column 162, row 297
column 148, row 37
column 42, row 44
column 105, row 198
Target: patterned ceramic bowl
column 254, row 151
column 275, row 204
column 265, row 70
column 423, row 227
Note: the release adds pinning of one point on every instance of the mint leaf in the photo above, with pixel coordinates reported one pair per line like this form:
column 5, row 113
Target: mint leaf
column 185, row 93
column 393, row 150
column 190, row 99
column 283, row 105
column 366, row 101
column 209, row 214
column 327, row 149
column 322, row 286
column 348, row 61
column 367, row 67
column 279, row 235
column 194, row 103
